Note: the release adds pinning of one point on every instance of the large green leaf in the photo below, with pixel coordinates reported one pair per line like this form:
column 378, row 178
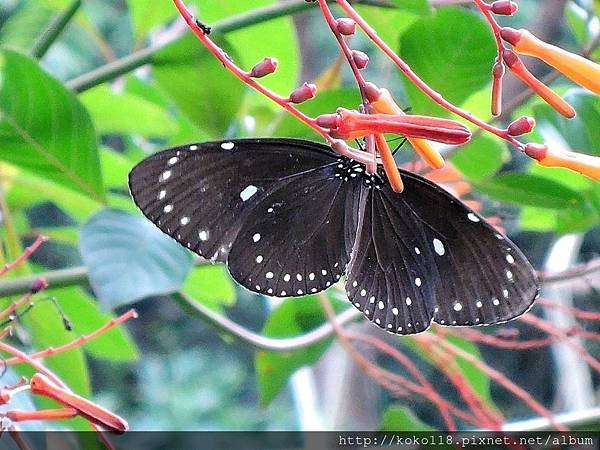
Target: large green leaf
column 453, row 51
column 481, row 158
column 293, row 317
column 581, row 134
column 125, row 113
column 44, row 128
column 130, row 259
column 199, row 85
column 211, row 285
column 531, row 190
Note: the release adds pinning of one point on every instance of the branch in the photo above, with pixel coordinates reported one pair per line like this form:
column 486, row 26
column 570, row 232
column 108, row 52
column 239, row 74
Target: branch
column 54, row 30
column 142, row 57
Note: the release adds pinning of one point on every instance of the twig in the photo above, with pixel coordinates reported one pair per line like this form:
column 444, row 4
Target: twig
column 54, row 30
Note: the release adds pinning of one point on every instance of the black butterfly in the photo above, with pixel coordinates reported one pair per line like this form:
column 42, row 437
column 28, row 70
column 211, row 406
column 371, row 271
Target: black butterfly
column 290, row 217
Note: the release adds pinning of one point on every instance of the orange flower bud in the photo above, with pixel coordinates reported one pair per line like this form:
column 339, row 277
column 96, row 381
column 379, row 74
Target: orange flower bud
column 584, row 164
column 498, row 74
column 517, row 67
column 579, row 69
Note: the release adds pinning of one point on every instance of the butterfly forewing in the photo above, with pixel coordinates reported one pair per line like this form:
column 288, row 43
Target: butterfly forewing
column 437, row 260
column 274, row 209
column 294, row 242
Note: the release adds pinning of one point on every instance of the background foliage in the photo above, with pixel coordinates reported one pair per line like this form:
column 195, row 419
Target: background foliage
column 78, row 108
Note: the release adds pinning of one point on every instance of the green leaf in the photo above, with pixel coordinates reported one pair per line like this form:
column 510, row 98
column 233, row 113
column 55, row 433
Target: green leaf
column 293, row 317
column 211, row 285
column 22, row 29
column 199, row 85
column 115, row 168
column 531, row 190
column 44, row 128
column 581, row 134
column 414, row 6
column 481, row 158
column 124, row 113
column 453, row 51
column 399, row 418
column 130, row 259
column 147, row 15
column 26, row 190
column 538, row 219
column 85, row 316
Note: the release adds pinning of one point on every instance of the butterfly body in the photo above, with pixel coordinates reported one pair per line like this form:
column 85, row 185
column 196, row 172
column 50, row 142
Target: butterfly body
column 291, row 217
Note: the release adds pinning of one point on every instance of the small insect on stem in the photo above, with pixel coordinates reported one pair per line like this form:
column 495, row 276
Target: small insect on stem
column 205, row 28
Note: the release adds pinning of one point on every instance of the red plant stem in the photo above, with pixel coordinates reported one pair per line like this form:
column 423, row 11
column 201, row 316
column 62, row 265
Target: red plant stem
column 447, row 364
column 131, row 314
column 25, row 358
column 576, row 312
column 482, row 338
column 497, row 376
column 406, row 362
column 485, row 10
column 360, row 80
column 17, row 415
column 16, row 305
column 283, row 102
column 24, row 256
column 562, row 335
column 417, row 81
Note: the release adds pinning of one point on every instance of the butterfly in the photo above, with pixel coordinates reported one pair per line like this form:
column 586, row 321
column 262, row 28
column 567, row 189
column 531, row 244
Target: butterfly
column 292, row 217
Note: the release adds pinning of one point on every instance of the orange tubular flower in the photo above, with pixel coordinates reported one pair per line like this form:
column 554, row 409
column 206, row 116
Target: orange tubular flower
column 349, row 124
column 41, row 385
column 385, row 104
column 584, row 164
column 582, row 71
column 552, row 98
column 389, row 165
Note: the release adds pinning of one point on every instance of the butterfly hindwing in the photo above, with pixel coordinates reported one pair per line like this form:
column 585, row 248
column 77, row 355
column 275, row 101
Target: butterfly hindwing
column 274, row 209
column 423, row 255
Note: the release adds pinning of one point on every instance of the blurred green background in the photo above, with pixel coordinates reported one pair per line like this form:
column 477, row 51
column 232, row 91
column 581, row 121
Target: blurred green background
column 88, row 89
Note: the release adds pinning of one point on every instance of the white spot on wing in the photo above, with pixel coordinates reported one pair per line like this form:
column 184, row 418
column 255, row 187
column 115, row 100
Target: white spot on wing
column 165, row 175
column 227, row 145
column 417, row 250
column 203, row 235
column 184, row 220
column 458, row 306
column 496, row 302
column 162, row 194
column 259, row 259
column 248, row 192
column 381, row 305
column 479, row 304
column 418, row 282
column 168, row 208
column 395, row 311
column 286, row 277
column 510, row 259
column 269, row 275
column 173, row 160
column 193, row 147
column 256, row 237
column 509, row 274
column 439, row 247
column 408, row 301
column 473, row 218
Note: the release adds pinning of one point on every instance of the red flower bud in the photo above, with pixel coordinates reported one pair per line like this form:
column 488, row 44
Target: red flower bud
column 372, row 91
column 504, row 7
column 498, row 74
column 266, row 67
column 38, row 284
column 305, row 92
column 346, row 26
column 521, row 126
column 536, row 151
column 511, row 35
column 360, row 59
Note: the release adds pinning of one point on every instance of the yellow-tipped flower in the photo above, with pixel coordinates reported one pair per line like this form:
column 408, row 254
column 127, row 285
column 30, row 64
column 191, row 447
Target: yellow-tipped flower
column 579, row 69
column 584, row 164
column 385, row 104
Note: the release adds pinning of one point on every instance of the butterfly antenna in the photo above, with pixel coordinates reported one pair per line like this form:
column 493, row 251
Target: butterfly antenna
column 399, row 145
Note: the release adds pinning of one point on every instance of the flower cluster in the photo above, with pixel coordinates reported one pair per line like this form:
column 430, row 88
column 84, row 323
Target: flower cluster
column 379, row 114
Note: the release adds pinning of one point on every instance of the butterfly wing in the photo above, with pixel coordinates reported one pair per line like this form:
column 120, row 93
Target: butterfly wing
column 424, row 256
column 272, row 208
